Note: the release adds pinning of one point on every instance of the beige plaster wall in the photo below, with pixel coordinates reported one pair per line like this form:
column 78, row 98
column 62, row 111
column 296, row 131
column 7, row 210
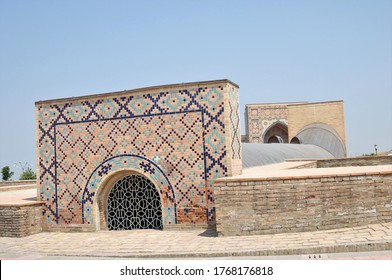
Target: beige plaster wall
column 330, row 113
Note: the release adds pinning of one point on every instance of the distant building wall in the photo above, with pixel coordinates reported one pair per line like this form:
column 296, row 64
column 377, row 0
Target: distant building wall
column 260, row 117
column 320, row 124
column 329, row 113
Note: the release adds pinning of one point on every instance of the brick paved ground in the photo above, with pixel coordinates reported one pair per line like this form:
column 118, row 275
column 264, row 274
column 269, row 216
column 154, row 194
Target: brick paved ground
column 194, row 244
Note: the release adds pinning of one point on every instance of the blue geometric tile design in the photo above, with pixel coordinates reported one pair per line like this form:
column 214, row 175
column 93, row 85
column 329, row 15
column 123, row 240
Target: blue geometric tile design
column 174, row 137
column 130, row 162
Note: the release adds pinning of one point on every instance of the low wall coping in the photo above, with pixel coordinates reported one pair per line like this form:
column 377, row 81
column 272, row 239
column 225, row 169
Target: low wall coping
column 355, row 158
column 300, row 177
column 17, row 182
column 21, row 204
column 18, row 187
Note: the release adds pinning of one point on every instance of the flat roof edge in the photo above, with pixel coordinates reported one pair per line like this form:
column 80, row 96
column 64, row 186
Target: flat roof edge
column 301, row 103
column 188, row 84
column 315, row 103
column 275, row 103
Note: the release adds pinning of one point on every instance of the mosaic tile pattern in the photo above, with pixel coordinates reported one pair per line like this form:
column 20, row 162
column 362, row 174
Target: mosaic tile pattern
column 261, row 117
column 176, row 138
column 235, row 122
column 131, row 162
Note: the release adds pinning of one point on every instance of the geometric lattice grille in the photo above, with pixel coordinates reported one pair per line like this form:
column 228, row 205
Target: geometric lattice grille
column 134, row 203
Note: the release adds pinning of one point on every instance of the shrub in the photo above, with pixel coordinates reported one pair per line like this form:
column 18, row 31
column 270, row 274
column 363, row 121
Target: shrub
column 28, row 174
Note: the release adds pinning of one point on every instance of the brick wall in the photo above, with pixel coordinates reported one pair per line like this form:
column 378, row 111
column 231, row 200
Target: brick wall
column 248, row 207
column 260, row 117
column 20, row 221
column 356, row 161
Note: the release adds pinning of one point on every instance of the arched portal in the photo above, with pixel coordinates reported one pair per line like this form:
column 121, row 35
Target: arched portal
column 109, row 172
column 276, row 133
column 295, row 140
column 134, row 203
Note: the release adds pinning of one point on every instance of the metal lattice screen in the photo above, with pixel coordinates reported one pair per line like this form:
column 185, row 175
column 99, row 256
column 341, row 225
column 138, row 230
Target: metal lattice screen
column 134, row 203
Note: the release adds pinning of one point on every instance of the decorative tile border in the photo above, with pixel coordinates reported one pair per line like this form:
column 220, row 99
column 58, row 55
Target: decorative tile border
column 179, row 130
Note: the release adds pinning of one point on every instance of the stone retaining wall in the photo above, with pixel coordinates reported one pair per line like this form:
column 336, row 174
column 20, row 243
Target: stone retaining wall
column 21, row 220
column 17, row 183
column 355, row 161
column 257, row 206
column 312, row 164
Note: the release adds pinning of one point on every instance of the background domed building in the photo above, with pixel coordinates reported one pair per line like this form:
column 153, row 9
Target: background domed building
column 320, row 124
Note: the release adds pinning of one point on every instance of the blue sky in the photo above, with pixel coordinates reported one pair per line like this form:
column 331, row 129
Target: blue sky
column 277, row 51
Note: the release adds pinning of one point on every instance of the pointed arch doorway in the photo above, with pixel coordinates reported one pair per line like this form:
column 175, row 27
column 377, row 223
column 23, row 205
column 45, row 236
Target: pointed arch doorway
column 133, row 203
column 276, row 133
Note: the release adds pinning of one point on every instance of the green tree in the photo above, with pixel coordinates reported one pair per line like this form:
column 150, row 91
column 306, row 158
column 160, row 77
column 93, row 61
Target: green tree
column 369, row 155
column 6, row 173
column 28, row 174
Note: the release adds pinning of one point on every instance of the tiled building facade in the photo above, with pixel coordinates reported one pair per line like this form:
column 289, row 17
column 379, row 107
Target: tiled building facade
column 179, row 137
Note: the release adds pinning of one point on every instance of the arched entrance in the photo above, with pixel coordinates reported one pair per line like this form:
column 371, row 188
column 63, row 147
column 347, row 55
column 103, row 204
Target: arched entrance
column 109, row 172
column 295, row 140
column 133, row 203
column 276, row 133
column 275, row 139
